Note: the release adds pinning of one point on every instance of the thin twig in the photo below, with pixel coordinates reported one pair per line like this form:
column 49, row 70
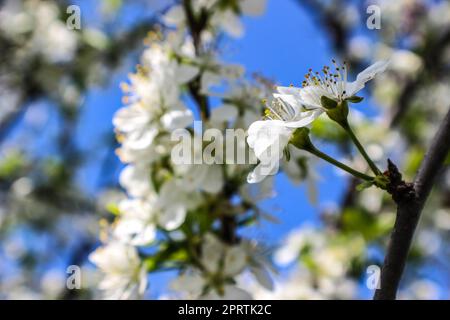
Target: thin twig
column 196, row 25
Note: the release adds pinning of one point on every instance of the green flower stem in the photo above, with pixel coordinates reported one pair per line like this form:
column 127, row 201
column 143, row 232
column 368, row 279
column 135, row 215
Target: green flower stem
column 338, row 164
column 300, row 139
column 358, row 145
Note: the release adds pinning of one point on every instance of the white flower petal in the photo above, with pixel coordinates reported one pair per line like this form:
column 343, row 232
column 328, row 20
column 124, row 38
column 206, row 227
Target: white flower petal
column 263, row 135
column 177, row 119
column 263, row 277
column 370, row 72
column 129, row 118
column 172, row 217
column 141, row 139
column 135, row 231
column 288, row 90
column 294, row 100
column 305, row 119
column 310, row 96
column 186, row 73
column 135, row 179
column 261, row 171
column 235, row 260
column 175, row 16
column 230, row 23
column 190, row 281
column 213, row 181
column 364, row 76
column 231, row 293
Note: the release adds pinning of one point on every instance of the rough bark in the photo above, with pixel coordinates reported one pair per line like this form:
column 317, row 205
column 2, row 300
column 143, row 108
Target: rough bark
column 410, row 201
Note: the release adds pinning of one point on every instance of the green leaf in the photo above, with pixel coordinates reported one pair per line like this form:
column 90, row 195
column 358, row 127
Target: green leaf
column 364, row 185
column 328, row 103
column 150, row 264
column 12, row 165
column 370, row 226
column 413, row 159
column 355, row 99
column 168, row 255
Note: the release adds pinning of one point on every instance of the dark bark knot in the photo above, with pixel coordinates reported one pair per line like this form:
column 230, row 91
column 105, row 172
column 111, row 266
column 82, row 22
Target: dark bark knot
column 400, row 190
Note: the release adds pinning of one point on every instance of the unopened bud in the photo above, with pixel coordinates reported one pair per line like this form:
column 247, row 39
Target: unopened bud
column 300, row 139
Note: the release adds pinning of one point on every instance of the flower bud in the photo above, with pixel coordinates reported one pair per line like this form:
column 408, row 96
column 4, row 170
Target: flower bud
column 300, row 139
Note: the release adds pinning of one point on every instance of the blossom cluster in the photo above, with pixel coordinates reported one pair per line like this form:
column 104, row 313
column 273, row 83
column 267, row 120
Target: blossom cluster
column 191, row 211
column 293, row 108
column 188, row 215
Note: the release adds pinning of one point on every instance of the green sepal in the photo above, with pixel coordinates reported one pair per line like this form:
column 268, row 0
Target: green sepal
column 328, row 103
column 381, row 181
column 364, row 185
column 339, row 114
column 300, row 139
column 287, row 154
column 355, row 99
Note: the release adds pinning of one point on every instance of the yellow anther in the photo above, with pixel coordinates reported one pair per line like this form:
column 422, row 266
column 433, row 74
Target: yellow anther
column 124, row 86
column 120, row 137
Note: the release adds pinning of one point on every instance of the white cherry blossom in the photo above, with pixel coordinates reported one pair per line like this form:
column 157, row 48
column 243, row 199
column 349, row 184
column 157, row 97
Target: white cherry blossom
column 125, row 277
column 333, row 85
column 269, row 137
column 137, row 224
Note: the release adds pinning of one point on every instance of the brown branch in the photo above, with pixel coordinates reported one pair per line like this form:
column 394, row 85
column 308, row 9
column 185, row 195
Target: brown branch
column 196, row 24
column 196, row 27
column 409, row 210
column 199, row 98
